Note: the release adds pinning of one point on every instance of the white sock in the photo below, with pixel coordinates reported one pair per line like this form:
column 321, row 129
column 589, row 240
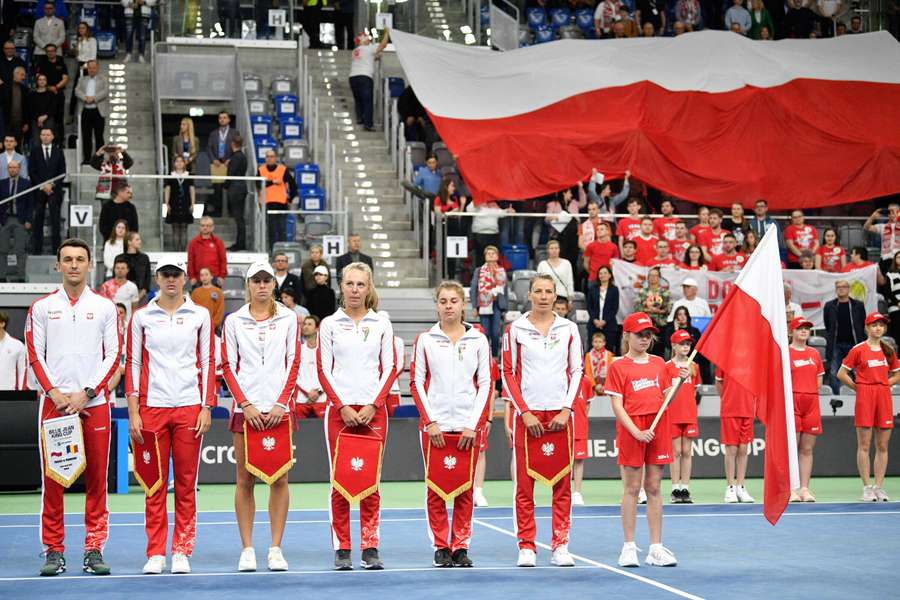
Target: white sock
column 630, row 545
column 652, row 546
column 684, row 486
column 479, row 491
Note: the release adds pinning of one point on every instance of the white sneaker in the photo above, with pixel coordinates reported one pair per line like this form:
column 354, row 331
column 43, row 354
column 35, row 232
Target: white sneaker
column 642, row 497
column 276, row 560
column 141, row 59
column 731, row 496
column 868, row 494
column 527, row 558
column 743, row 495
column 155, row 565
column 480, row 500
column 881, row 495
column 628, row 556
column 248, row 560
column 660, row 556
column 127, row 58
column 577, row 499
column 180, row 563
column 562, row 558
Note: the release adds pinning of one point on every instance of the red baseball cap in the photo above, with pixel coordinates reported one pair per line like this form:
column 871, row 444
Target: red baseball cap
column 638, row 322
column 875, row 317
column 798, row 322
column 681, row 336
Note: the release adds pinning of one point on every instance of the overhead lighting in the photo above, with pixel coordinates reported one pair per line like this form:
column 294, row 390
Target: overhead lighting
column 196, row 111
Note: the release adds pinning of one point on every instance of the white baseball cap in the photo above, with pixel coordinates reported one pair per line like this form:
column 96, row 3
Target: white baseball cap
column 320, row 269
column 689, row 281
column 260, row 266
column 170, row 262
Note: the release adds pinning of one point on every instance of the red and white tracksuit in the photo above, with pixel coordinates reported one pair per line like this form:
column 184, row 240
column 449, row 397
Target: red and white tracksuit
column 73, row 345
column 308, row 381
column 393, row 400
column 356, row 368
column 541, row 374
column 13, row 364
column 170, row 366
column 451, row 384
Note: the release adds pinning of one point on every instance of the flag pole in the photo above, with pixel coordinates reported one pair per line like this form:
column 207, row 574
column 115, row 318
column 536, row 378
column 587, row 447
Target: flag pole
column 672, row 392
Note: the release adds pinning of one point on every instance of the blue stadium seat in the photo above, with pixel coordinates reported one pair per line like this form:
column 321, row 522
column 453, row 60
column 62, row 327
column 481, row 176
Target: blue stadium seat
column 261, row 126
column 107, row 45
column 264, row 144
column 584, row 18
column 537, row 17
column 544, row 35
column 396, row 85
column 88, row 14
column 291, row 128
column 286, row 105
column 560, row 17
column 406, row 411
column 307, row 176
column 312, row 199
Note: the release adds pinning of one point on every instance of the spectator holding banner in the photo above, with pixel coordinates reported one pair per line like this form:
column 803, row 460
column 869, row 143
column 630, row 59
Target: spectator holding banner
column 888, row 231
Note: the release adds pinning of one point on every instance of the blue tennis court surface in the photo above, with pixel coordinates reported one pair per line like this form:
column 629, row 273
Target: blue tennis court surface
column 816, row 551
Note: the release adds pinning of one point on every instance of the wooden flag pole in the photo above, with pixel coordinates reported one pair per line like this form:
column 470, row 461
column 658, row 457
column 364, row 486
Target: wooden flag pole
column 672, row 392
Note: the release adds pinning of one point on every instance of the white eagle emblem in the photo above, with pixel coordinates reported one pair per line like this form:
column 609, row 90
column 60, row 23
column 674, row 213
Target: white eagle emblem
column 449, row 462
column 356, row 463
column 146, row 457
column 548, row 448
column 268, row 443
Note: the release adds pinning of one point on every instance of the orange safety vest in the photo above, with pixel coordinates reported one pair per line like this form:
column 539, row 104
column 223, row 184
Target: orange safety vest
column 277, row 192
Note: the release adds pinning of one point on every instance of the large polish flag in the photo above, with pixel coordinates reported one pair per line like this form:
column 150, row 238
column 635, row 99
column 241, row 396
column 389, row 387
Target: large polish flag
column 747, row 338
column 709, row 116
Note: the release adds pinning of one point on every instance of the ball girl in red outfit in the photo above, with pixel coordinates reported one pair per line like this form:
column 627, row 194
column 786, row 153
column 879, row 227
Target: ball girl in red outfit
column 806, row 379
column 683, row 416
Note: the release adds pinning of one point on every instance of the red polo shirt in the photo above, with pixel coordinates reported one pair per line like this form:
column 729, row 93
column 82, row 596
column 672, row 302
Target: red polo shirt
column 209, row 253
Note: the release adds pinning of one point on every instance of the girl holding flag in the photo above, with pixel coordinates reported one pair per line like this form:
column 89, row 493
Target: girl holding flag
column 682, row 415
column 451, row 385
column 634, row 384
column 806, row 379
column 260, row 361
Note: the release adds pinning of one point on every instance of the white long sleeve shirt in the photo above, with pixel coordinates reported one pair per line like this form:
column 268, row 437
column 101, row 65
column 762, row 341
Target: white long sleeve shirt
column 169, row 359
column 308, row 379
column 541, row 373
column 356, row 360
column 13, row 364
column 73, row 345
column 451, row 383
column 399, row 363
column 260, row 359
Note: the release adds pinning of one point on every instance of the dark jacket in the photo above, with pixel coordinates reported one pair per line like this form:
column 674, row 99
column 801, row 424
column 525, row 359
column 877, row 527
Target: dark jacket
column 24, row 203
column 237, row 167
column 212, row 144
column 857, row 320
column 345, row 259
column 40, row 170
column 293, row 283
column 320, row 301
column 97, row 160
column 8, row 66
column 112, row 212
column 610, row 307
column 138, row 269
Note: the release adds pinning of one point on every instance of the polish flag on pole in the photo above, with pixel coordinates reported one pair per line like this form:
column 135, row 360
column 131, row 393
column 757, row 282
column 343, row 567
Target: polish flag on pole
column 747, row 339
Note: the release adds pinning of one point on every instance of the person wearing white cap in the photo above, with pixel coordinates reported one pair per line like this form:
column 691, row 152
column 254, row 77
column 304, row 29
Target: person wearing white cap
column 697, row 306
column 169, row 348
column 260, row 362
column 320, row 300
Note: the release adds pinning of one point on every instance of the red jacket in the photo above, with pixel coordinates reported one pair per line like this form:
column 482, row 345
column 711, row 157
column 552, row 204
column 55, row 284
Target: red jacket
column 209, row 253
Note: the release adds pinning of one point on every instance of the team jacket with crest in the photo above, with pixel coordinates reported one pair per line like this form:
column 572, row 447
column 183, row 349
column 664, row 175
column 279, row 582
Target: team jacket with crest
column 260, row 359
column 170, row 359
column 73, row 345
column 451, row 383
column 541, row 373
column 356, row 361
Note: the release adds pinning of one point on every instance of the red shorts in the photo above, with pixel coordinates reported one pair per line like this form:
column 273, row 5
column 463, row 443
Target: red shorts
column 807, row 417
column 581, row 449
column 391, row 403
column 688, row 430
column 236, row 423
column 305, row 410
column 633, row 453
column 874, row 407
column 736, row 430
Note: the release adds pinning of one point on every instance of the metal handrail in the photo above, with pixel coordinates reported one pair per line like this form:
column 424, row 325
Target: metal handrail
column 38, row 186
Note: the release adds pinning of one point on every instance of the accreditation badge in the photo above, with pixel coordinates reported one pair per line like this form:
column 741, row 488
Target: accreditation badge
column 62, row 441
column 356, row 470
column 549, row 458
column 147, row 462
column 449, row 470
column 269, row 452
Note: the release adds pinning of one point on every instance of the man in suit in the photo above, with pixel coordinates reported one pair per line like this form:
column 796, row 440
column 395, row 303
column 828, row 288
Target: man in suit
column 219, row 147
column 10, row 60
column 15, row 220
column 46, row 162
column 14, row 105
column 9, row 154
column 284, row 279
column 236, row 192
column 93, row 106
column 352, row 255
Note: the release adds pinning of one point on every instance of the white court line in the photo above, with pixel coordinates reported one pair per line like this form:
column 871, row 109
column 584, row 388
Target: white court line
column 600, row 565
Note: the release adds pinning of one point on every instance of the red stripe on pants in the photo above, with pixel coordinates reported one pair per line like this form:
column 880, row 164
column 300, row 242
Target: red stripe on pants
column 175, row 433
column 370, row 506
column 561, row 520
column 438, row 521
column 96, row 427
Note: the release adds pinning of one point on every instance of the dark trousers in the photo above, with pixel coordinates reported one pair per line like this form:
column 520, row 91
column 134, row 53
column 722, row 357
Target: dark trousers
column 72, row 99
column 311, row 19
column 136, row 26
column 13, row 240
column 236, row 205
column 92, row 125
column 41, row 202
column 343, row 30
column 364, row 98
column 214, row 206
column 276, row 227
column 838, row 354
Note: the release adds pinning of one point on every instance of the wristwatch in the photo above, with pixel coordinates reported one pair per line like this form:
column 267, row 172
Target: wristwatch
column 90, row 392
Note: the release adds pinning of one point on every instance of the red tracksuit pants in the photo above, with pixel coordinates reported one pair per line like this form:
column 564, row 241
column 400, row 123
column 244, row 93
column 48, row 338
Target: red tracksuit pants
column 175, row 433
column 561, row 520
column 95, row 427
column 438, row 521
column 370, row 506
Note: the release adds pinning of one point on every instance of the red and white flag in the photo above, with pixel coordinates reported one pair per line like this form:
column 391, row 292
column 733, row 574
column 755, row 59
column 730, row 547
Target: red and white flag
column 747, row 339
column 708, row 116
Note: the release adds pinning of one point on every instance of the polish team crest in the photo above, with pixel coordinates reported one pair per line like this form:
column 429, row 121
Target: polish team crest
column 365, row 331
column 449, row 471
column 146, row 457
column 449, row 462
column 548, row 448
column 548, row 457
column 268, row 443
column 357, row 464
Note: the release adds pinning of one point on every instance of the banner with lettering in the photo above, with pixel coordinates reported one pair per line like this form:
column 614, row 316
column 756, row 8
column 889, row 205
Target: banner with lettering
column 810, row 289
column 62, row 441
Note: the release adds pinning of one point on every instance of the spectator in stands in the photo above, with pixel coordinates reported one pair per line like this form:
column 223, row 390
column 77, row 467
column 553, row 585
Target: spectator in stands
column 648, row 30
column 9, row 155
column 186, row 145
column 45, row 163
column 689, row 13
column 681, row 319
column 41, row 107
column 417, row 126
column 694, row 259
column 678, row 28
column 10, row 60
column 230, row 18
column 138, row 263
column 604, row 17
column 629, row 27
column 49, row 29
column 362, row 76
column 759, row 18
column 113, row 163
column 664, row 226
column 179, row 196
column 653, row 12
column 16, row 217
column 681, row 243
column 13, row 359
column 751, row 241
column 120, row 207
column 794, row 310
column 844, row 328
column 236, row 192
column 308, row 270
column 859, row 259
column 485, row 227
column 799, row 237
column 807, row 261
column 114, row 245
column 799, row 19
column 600, row 252
column 490, row 296
column 209, row 295
column 603, row 307
column 606, row 202
column 730, row 260
column 284, row 279
column 856, row 27
column 764, row 33
column 889, row 232
column 645, row 242
column 663, row 256
column 281, row 190
column 740, row 16
column 628, row 227
column 343, row 24
column 428, row 177
column 320, row 299
column 761, row 220
column 712, row 239
column 137, row 22
column 696, row 305
column 85, row 50
column 588, row 229
column 629, row 251
column 655, row 300
column 92, row 92
column 701, row 225
column 14, row 105
column 207, row 250
column 119, row 288
column 352, row 255
column 219, row 148
column 54, row 67
column 559, row 269
column 561, row 226
column 563, row 308
column 737, row 223
column 289, row 299
column 446, row 201
column 892, row 297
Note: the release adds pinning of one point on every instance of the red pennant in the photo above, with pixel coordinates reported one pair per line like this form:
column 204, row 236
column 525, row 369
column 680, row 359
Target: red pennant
column 269, row 452
column 147, row 462
column 356, row 470
column 449, row 470
column 549, row 458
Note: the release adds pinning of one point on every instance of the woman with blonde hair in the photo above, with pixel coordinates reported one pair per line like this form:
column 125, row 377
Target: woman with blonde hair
column 185, row 144
column 356, row 370
column 489, row 295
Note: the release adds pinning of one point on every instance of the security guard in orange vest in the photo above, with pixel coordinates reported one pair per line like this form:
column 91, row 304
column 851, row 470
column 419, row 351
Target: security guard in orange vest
column 281, row 189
